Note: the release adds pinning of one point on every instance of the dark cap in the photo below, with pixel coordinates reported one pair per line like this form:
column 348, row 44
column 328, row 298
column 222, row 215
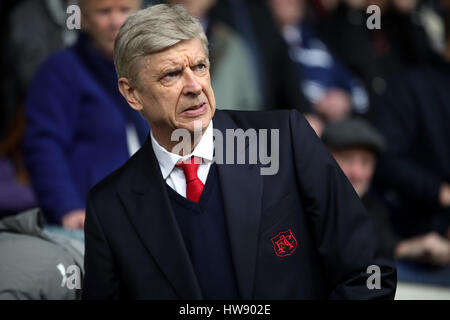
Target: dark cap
column 353, row 133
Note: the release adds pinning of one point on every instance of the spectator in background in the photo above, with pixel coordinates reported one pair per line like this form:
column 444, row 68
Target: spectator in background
column 233, row 72
column 375, row 55
column 332, row 90
column 414, row 173
column 79, row 127
column 37, row 29
column 356, row 146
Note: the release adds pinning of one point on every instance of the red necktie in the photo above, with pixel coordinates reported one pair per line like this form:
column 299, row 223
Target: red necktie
column 194, row 186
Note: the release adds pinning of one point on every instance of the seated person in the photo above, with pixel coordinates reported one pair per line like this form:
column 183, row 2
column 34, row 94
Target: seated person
column 356, row 145
column 79, row 127
column 374, row 55
column 329, row 86
column 414, row 172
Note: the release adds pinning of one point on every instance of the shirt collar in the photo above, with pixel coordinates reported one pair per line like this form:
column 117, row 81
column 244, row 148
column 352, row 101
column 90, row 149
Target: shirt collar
column 167, row 160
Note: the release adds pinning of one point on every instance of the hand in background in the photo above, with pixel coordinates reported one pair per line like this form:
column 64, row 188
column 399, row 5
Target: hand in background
column 74, row 219
column 430, row 248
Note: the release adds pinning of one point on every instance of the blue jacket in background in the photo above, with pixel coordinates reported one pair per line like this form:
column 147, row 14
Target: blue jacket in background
column 76, row 130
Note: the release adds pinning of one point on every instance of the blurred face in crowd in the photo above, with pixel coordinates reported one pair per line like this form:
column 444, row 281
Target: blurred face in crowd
column 358, row 165
column 287, row 12
column 173, row 90
column 197, row 8
column 102, row 20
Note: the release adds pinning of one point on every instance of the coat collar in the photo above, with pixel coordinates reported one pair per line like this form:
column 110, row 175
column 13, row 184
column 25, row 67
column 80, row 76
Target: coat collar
column 167, row 160
column 148, row 207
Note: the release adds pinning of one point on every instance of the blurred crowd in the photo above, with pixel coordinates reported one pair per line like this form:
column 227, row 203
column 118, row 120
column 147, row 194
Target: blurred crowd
column 378, row 97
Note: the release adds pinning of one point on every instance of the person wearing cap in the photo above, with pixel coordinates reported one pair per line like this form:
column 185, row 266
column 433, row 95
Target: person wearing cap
column 356, row 146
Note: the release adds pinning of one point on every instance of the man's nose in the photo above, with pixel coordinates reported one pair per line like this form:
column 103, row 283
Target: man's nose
column 191, row 84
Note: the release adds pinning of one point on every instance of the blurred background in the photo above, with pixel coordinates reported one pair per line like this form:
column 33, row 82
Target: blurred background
column 379, row 98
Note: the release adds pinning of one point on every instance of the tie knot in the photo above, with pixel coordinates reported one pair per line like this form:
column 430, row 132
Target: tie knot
column 190, row 168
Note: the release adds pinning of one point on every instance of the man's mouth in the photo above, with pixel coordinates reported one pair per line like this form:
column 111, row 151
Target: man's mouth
column 195, row 110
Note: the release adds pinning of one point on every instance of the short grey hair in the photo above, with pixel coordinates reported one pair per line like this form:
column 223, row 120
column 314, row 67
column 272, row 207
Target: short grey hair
column 153, row 30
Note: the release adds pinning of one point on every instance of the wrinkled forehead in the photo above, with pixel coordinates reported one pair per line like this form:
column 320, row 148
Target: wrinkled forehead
column 183, row 53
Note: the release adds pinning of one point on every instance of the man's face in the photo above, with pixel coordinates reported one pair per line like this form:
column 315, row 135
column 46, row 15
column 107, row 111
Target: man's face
column 174, row 89
column 287, row 12
column 102, row 19
column 358, row 165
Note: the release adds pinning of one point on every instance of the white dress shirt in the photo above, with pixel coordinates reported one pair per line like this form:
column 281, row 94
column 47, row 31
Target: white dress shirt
column 174, row 176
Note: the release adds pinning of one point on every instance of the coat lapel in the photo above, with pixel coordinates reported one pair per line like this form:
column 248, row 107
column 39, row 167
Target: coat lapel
column 149, row 209
column 241, row 186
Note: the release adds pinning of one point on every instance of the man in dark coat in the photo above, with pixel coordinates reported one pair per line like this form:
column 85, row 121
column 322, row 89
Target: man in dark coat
column 216, row 217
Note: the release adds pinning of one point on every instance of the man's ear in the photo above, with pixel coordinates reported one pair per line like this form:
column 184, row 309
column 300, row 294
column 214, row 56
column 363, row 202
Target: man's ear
column 130, row 94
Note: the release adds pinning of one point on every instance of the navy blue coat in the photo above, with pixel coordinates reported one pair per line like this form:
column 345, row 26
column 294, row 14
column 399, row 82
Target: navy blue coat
column 134, row 247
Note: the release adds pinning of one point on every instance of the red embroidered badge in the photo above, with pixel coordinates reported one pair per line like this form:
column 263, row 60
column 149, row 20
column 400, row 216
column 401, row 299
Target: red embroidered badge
column 284, row 243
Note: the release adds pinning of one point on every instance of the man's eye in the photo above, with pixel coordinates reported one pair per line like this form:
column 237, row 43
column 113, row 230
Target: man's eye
column 200, row 67
column 172, row 74
column 169, row 77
